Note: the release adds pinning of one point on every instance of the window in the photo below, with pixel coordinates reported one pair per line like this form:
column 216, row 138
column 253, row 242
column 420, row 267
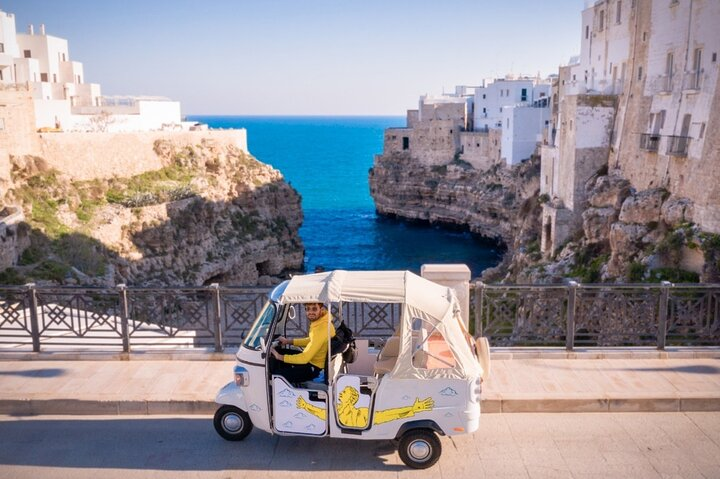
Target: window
column 483, row 96
column 43, row 77
column 2, row 124
column 429, row 348
column 260, row 328
column 659, row 122
column 640, row 73
column 2, row 48
column 63, row 57
column 587, row 32
column 697, row 68
column 26, row 54
column 484, row 110
column 54, row 77
column 508, row 123
column 702, row 131
column 669, row 71
column 601, row 21
column 1, row 75
column 644, row 36
column 618, row 12
column 714, row 57
column 523, row 94
column 406, row 142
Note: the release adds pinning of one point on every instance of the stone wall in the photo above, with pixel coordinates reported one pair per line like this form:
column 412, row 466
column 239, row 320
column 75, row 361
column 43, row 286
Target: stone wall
column 85, row 156
column 17, row 129
column 481, row 148
column 14, row 236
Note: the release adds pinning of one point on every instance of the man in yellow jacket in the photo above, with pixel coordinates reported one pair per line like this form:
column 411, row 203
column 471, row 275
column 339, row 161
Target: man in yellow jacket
column 307, row 364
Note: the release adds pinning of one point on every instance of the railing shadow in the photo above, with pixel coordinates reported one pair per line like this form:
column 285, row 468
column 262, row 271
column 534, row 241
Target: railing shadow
column 178, row 444
column 36, row 373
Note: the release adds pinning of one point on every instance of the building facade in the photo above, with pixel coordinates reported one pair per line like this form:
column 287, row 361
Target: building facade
column 640, row 101
column 62, row 99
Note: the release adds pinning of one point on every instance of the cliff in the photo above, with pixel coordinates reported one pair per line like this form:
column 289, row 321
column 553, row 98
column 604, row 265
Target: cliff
column 497, row 203
column 210, row 213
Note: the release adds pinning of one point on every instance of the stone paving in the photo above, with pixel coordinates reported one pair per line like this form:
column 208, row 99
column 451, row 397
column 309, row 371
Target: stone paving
column 520, row 381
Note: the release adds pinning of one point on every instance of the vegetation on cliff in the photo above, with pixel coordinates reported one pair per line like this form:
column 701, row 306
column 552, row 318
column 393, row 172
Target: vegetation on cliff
column 213, row 213
column 625, row 235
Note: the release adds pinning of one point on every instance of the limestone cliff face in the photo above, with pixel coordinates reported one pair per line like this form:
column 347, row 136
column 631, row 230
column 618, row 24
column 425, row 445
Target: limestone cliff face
column 498, row 203
column 212, row 214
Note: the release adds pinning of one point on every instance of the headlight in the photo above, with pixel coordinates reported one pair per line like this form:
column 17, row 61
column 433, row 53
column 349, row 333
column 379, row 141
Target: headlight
column 242, row 377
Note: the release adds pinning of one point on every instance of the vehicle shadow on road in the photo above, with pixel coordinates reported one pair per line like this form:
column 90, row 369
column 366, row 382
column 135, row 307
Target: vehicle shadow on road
column 172, row 444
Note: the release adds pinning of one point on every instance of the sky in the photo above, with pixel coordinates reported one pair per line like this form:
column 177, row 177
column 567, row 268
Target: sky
column 304, row 57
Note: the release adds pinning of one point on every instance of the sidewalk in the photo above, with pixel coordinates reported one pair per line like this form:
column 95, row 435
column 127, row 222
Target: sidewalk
column 520, row 381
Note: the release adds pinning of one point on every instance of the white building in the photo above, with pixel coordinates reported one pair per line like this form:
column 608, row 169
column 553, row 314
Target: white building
column 638, row 100
column 62, row 98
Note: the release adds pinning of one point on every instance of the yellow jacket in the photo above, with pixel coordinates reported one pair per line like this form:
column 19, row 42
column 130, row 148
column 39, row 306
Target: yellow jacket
column 315, row 346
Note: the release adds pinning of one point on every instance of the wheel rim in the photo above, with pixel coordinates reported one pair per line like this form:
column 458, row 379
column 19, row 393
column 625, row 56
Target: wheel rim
column 419, row 450
column 232, row 423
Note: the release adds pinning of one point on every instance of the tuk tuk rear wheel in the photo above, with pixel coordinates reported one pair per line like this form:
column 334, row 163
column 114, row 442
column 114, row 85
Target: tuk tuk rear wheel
column 419, row 448
column 232, row 423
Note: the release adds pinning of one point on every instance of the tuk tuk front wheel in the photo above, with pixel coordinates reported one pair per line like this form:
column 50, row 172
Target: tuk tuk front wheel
column 232, row 423
column 419, row 448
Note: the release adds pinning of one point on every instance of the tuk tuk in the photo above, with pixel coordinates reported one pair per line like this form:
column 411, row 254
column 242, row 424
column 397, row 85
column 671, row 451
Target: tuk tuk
column 425, row 381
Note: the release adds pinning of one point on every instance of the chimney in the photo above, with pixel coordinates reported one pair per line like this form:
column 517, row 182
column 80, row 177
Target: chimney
column 42, row 29
column 31, row 29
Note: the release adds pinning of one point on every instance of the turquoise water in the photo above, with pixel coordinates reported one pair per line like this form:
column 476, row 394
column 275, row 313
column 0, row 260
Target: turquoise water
column 327, row 160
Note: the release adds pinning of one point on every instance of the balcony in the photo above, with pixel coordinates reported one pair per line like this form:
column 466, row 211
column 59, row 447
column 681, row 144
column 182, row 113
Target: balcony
column 692, row 81
column 661, row 84
column 649, row 142
column 678, row 145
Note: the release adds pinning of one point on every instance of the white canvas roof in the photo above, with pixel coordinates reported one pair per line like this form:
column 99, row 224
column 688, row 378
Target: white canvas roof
column 434, row 304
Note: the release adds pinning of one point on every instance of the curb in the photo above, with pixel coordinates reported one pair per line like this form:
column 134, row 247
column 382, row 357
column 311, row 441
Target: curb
column 80, row 407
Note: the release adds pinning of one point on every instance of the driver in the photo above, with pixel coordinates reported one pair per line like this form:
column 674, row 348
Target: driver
column 306, row 365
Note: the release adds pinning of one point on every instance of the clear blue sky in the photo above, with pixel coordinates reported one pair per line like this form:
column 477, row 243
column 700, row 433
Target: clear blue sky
column 274, row 57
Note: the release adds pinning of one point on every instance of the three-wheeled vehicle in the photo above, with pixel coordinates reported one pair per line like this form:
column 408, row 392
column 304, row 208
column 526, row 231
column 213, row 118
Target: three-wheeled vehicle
column 425, row 381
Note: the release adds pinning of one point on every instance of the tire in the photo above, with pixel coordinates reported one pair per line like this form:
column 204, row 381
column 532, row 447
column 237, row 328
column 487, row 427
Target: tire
column 419, row 448
column 232, row 423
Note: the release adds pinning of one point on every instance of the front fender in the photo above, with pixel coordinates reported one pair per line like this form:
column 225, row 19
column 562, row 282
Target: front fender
column 231, row 394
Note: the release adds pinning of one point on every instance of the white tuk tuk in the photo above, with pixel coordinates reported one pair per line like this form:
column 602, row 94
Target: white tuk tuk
column 425, row 381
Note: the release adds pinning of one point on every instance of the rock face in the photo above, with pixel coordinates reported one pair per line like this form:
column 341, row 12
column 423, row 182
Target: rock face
column 213, row 214
column 643, row 207
column 497, row 203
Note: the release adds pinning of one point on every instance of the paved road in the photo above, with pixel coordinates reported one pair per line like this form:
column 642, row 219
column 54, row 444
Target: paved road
column 522, row 445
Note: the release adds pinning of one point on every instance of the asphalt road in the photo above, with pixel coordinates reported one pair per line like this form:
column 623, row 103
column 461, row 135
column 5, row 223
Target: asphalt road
column 602, row 445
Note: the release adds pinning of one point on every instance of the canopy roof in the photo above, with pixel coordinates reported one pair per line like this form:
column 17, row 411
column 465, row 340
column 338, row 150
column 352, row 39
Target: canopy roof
column 369, row 287
column 433, row 308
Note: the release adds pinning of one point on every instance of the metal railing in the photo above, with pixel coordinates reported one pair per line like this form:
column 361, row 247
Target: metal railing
column 678, row 145
column 649, row 141
column 599, row 315
column 573, row 315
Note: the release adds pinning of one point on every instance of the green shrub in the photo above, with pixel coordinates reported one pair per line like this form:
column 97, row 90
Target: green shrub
column 11, row 276
column 636, row 272
column 674, row 275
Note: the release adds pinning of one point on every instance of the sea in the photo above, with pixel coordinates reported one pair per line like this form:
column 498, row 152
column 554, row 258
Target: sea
column 327, row 160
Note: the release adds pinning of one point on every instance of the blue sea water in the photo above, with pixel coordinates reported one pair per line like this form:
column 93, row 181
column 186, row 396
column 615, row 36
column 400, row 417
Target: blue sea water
column 327, row 160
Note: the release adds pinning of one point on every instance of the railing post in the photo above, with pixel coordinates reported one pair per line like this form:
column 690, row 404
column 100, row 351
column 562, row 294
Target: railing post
column 570, row 330
column 34, row 324
column 662, row 314
column 215, row 288
column 124, row 315
column 479, row 299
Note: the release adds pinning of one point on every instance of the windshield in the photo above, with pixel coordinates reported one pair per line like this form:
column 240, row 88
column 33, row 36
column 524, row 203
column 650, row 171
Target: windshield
column 261, row 327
